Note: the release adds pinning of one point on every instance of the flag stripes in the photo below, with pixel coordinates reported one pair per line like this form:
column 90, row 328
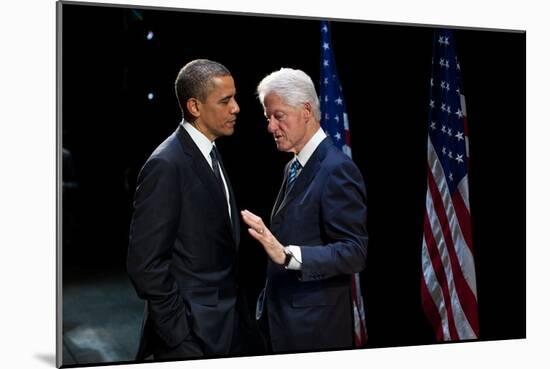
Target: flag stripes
column 334, row 122
column 448, row 287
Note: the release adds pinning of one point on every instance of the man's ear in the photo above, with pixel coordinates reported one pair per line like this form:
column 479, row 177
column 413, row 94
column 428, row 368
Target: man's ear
column 193, row 107
column 308, row 111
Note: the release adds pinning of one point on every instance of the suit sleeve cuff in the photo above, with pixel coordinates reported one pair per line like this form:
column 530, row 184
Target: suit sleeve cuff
column 296, row 260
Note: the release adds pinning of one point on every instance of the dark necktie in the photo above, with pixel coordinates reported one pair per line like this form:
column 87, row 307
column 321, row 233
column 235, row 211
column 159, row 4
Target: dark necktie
column 215, row 155
column 216, row 168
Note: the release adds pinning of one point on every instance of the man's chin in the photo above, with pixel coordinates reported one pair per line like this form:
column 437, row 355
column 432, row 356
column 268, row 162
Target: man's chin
column 281, row 147
column 229, row 131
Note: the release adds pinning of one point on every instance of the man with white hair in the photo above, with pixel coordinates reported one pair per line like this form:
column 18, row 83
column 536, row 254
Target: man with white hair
column 318, row 236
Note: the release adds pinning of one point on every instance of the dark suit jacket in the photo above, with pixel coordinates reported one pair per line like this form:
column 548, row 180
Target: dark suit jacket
column 325, row 213
column 183, row 249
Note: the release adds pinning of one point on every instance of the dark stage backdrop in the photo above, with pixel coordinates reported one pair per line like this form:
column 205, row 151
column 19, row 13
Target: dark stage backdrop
column 110, row 126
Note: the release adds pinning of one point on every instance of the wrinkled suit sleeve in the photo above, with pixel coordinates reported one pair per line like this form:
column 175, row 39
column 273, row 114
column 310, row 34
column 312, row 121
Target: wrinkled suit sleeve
column 344, row 217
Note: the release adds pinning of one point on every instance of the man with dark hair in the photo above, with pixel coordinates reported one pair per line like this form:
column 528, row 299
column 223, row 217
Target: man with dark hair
column 184, row 232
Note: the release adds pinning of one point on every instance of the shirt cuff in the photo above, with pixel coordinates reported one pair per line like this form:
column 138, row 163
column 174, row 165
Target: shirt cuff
column 296, row 260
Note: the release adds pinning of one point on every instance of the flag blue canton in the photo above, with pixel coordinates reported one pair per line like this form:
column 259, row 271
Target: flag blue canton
column 447, row 110
column 334, row 117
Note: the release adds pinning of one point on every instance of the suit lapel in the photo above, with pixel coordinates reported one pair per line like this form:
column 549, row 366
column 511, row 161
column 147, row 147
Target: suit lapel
column 281, row 193
column 206, row 176
column 304, row 178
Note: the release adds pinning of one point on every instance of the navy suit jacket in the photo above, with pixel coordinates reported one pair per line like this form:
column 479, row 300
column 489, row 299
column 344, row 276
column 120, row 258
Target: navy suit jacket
column 325, row 214
column 182, row 253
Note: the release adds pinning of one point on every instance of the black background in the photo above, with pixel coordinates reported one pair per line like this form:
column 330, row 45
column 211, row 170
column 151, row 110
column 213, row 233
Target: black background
column 110, row 127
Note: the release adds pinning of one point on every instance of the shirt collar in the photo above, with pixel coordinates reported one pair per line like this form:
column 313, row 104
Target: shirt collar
column 202, row 142
column 304, row 155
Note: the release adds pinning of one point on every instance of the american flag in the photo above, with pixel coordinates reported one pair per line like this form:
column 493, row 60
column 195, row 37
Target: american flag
column 449, row 294
column 334, row 122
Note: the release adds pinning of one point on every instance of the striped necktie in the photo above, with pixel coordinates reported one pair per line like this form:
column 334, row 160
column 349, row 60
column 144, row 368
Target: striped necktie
column 292, row 174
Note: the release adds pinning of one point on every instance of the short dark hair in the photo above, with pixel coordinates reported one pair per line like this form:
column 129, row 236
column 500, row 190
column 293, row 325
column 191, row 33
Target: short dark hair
column 194, row 80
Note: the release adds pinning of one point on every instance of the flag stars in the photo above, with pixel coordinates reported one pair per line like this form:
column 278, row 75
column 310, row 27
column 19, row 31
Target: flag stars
column 444, row 107
column 339, row 101
column 444, row 150
column 450, row 132
column 337, row 118
column 337, row 136
column 459, row 113
column 459, row 136
column 324, row 28
column 445, row 85
column 326, row 116
column 448, row 109
column 450, row 154
column 326, row 46
column 444, row 63
column 431, row 82
column 326, row 98
column 432, row 104
column 444, row 129
column 325, row 62
column 432, row 126
column 451, row 176
column 459, row 158
column 443, row 40
column 325, row 81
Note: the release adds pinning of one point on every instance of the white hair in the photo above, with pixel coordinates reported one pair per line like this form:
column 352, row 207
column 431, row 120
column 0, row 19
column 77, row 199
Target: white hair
column 293, row 86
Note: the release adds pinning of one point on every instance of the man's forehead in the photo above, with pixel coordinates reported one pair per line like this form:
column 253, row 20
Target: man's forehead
column 221, row 85
column 277, row 105
column 221, row 81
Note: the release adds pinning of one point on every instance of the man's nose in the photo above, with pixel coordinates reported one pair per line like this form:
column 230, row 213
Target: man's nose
column 235, row 108
column 271, row 125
